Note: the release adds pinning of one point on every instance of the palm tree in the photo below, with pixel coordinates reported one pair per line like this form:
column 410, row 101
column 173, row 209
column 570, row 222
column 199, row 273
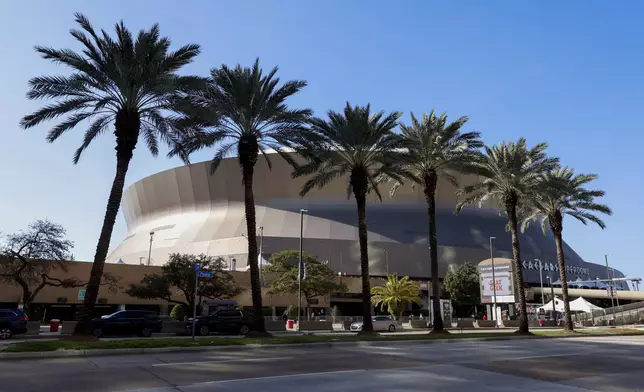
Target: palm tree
column 359, row 145
column 563, row 193
column 509, row 174
column 129, row 84
column 436, row 149
column 245, row 110
column 395, row 294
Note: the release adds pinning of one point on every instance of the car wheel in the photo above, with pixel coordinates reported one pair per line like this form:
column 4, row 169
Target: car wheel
column 392, row 328
column 98, row 332
column 146, row 332
column 5, row 333
column 204, row 330
column 244, row 329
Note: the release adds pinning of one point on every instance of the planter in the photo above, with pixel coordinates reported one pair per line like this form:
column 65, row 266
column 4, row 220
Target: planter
column 346, row 325
column 465, row 323
column 511, row 323
column 418, row 324
column 173, row 326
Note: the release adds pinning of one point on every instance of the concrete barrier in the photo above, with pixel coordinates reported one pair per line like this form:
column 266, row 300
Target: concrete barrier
column 33, row 328
column 316, row 325
column 510, row 323
column 173, row 326
column 418, row 324
column 485, row 324
column 275, row 325
column 465, row 323
column 69, row 327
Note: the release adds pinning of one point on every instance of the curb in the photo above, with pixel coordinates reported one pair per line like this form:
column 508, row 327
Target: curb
column 61, row 353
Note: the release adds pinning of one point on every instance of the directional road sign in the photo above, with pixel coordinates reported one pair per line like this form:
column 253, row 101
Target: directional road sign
column 205, row 274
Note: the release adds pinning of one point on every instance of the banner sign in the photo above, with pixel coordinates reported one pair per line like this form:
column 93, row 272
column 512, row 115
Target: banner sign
column 500, row 281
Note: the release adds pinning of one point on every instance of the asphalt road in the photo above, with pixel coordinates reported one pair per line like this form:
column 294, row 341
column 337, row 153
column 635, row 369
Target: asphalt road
column 580, row 364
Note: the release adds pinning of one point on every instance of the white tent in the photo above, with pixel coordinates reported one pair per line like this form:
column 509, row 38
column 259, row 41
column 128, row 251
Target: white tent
column 559, row 306
column 581, row 305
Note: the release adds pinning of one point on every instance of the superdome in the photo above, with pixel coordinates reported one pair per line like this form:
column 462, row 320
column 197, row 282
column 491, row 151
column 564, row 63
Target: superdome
column 191, row 211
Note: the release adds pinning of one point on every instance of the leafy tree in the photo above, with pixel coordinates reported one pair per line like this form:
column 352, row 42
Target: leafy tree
column 561, row 192
column 245, row 110
column 362, row 146
column 395, row 294
column 509, row 174
column 319, row 282
column 463, row 284
column 178, row 312
column 176, row 283
column 29, row 258
column 436, row 149
column 130, row 85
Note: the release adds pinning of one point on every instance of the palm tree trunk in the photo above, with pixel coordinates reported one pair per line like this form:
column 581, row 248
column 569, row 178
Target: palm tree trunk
column 251, row 232
column 84, row 314
column 430, row 196
column 367, row 325
column 511, row 210
column 557, row 228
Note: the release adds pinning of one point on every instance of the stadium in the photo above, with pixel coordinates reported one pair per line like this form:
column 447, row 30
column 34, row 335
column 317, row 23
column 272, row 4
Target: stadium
column 189, row 210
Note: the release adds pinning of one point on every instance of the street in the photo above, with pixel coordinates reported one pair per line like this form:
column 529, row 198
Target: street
column 578, row 364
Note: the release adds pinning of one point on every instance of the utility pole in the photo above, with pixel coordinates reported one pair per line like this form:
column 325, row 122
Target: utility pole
column 541, row 281
column 300, row 270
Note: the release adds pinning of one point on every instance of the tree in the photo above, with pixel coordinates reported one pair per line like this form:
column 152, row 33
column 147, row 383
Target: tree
column 560, row 193
column 130, row 84
column 176, row 283
column 436, row 148
column 395, row 294
column 319, row 282
column 359, row 145
column 178, row 312
column 509, row 174
column 463, row 284
column 29, row 258
column 245, row 110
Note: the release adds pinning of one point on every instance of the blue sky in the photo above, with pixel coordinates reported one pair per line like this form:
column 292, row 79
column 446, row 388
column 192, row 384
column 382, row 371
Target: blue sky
column 569, row 73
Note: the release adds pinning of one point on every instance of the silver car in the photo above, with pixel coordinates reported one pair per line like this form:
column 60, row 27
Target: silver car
column 380, row 323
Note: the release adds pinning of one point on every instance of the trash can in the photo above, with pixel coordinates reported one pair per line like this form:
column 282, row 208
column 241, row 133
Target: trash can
column 290, row 324
column 54, row 325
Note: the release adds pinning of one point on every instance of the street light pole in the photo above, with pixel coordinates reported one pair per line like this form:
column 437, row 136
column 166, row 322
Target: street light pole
column 261, row 259
column 611, row 288
column 494, row 318
column 299, row 269
column 552, row 294
column 541, row 280
column 387, row 260
column 150, row 250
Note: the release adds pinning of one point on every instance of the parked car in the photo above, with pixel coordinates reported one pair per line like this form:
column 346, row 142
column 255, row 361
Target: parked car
column 127, row 322
column 222, row 321
column 12, row 322
column 380, row 323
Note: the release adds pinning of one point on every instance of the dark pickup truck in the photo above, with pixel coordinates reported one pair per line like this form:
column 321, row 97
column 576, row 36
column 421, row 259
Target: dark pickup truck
column 223, row 321
column 127, row 322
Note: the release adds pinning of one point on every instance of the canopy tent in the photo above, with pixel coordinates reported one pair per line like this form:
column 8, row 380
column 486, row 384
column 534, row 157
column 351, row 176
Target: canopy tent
column 581, row 305
column 559, row 306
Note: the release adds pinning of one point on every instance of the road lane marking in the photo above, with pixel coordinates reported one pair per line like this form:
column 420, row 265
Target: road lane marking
column 221, row 361
column 281, row 376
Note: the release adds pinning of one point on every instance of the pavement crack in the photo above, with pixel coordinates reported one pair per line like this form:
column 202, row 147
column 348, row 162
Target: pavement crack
column 173, row 386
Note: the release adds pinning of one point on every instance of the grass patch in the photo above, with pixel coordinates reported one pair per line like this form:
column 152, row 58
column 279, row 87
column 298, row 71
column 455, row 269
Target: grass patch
column 37, row 346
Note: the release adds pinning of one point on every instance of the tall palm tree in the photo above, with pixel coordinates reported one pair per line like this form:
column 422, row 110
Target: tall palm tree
column 359, row 145
column 563, row 193
column 509, row 174
column 436, row 149
column 395, row 294
column 124, row 85
column 244, row 110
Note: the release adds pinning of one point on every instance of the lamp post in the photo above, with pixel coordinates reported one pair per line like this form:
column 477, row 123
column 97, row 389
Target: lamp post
column 552, row 294
column 150, row 249
column 261, row 259
column 494, row 318
column 387, row 260
column 299, row 269
column 611, row 288
column 541, row 281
